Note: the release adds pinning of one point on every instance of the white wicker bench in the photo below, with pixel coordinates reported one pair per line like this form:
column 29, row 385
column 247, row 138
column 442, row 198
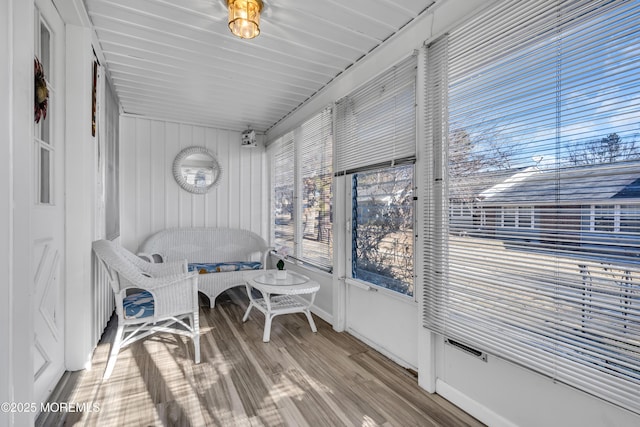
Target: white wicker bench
column 209, row 245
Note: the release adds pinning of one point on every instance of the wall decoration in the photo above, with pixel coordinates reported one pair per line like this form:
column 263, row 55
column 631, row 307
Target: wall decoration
column 41, row 92
column 196, row 170
column 94, row 100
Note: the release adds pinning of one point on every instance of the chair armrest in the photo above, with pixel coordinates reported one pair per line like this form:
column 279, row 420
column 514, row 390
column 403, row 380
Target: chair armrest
column 265, row 257
column 153, row 283
column 171, row 280
column 167, row 268
column 153, row 258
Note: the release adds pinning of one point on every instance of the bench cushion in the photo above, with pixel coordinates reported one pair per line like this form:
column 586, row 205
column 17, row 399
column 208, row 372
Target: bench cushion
column 218, row 267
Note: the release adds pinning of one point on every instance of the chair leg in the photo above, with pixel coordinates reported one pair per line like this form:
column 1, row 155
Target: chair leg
column 115, row 349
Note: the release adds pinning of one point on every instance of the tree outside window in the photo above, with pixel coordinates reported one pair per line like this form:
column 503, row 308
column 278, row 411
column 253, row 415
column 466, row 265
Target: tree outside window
column 383, row 237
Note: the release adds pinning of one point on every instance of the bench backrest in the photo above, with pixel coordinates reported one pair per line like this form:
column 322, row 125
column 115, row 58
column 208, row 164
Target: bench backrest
column 206, row 244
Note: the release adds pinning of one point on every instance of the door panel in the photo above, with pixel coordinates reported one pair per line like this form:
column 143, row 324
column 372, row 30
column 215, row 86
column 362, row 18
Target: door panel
column 47, row 216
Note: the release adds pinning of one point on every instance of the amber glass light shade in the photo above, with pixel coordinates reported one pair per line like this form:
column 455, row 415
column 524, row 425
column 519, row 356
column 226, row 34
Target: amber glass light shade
column 244, row 17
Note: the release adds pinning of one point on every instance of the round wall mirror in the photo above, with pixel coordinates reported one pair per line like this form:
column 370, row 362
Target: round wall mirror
column 196, row 170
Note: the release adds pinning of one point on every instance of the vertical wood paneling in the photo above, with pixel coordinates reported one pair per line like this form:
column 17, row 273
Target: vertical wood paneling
column 151, row 199
column 198, row 202
column 143, row 178
column 128, row 193
column 235, row 173
column 184, row 199
column 222, row 204
column 157, row 182
column 172, row 190
column 209, row 207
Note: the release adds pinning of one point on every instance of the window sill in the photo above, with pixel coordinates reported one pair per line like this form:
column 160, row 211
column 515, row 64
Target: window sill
column 366, row 286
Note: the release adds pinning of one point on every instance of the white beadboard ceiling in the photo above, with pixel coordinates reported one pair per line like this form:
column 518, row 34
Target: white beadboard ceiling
column 177, row 60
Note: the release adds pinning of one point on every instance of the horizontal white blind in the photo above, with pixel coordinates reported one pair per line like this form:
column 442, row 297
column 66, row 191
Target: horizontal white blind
column 434, row 230
column 283, row 202
column 375, row 124
column 540, row 259
column 316, row 164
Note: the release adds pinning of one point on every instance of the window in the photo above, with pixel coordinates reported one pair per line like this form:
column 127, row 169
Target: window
column 316, row 195
column 525, row 217
column 604, row 217
column 630, row 219
column 376, row 124
column 45, row 152
column 376, row 146
column 382, row 241
column 283, row 202
column 302, row 197
column 529, row 106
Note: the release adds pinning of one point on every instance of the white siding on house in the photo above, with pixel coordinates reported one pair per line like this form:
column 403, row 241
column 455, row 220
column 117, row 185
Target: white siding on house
column 150, row 198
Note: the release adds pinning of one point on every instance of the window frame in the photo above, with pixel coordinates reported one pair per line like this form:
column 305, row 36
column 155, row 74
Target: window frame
column 299, row 148
column 351, row 221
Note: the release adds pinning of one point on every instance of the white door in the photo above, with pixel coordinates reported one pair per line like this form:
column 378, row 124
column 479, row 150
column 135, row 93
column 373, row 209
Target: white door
column 47, row 226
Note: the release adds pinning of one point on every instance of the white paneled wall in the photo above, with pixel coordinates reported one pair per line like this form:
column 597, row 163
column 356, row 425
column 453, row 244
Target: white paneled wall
column 150, row 198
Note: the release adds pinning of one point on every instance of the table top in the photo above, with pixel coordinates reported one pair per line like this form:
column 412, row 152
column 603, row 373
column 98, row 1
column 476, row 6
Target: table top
column 293, row 283
column 291, row 278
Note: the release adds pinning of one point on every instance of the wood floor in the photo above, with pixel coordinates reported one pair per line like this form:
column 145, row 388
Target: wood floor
column 298, row 379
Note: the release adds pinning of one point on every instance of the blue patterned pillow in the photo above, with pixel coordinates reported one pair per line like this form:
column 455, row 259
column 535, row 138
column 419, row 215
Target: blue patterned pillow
column 221, row 267
column 138, row 305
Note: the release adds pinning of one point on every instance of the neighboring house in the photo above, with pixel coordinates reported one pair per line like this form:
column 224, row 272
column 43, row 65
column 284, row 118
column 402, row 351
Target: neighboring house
column 574, row 208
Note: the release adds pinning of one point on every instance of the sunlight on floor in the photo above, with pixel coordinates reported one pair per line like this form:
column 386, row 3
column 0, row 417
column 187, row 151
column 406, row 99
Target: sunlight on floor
column 286, row 389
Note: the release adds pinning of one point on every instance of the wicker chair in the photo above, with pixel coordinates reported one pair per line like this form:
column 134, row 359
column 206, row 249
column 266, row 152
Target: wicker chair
column 149, row 298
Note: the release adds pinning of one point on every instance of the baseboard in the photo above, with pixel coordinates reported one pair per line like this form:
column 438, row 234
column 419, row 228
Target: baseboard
column 382, row 350
column 481, row 412
column 327, row 317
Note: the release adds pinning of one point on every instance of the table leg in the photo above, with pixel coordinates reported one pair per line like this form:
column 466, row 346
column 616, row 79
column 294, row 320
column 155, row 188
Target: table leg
column 268, row 317
column 307, row 311
column 311, row 322
column 266, row 335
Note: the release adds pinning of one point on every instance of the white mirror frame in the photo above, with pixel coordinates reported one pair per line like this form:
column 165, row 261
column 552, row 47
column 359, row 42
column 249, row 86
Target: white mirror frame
column 177, row 173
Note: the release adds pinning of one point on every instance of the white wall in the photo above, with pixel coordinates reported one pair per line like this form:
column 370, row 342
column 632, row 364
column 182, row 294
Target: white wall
column 16, row 134
column 80, row 183
column 151, row 200
column 6, row 219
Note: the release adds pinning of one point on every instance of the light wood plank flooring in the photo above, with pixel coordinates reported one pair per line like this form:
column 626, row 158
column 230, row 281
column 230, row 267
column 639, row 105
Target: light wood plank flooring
column 298, row 379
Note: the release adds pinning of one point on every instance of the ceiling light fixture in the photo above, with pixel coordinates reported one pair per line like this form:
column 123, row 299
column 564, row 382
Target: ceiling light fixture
column 244, row 17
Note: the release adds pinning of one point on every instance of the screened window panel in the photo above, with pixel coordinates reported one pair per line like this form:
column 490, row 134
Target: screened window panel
column 382, row 228
column 283, row 202
column 538, row 257
column 316, row 164
column 375, row 125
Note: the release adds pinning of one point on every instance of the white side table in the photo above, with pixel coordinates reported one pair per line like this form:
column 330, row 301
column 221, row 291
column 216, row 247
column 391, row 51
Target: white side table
column 286, row 299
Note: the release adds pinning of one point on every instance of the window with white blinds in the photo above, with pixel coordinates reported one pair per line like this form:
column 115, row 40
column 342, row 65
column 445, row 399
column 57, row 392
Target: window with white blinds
column 375, row 125
column 532, row 233
column 316, row 165
column 302, row 192
column 283, row 203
